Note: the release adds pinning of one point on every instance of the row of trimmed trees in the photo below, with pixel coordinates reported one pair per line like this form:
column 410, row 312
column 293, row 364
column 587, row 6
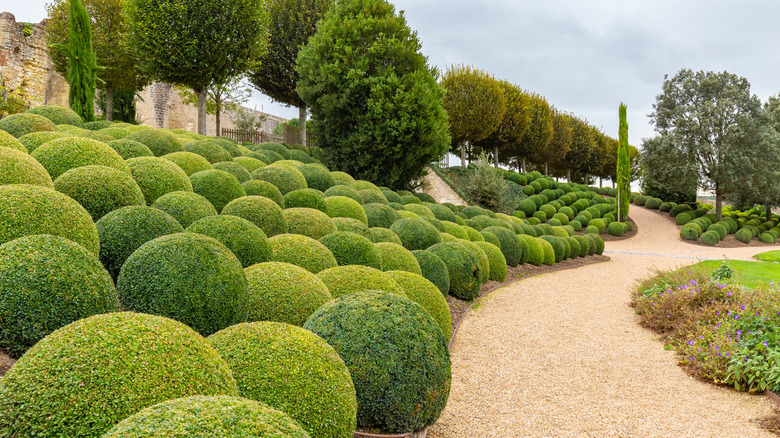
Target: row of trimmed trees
column 522, row 130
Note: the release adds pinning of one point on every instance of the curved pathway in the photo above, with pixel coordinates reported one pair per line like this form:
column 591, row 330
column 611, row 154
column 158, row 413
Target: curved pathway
column 562, row 355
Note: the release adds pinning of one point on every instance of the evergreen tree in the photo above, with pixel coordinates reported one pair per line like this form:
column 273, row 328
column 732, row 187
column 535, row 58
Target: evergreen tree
column 623, row 166
column 81, row 73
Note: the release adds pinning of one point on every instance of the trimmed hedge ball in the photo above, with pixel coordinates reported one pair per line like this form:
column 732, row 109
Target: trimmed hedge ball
column 344, row 190
column 558, row 247
column 17, row 167
column 352, row 249
column 617, row 228
column 249, row 163
column 767, row 238
column 235, row 169
column 372, row 329
column 423, row 292
column 32, row 140
column 293, row 370
column 344, row 280
column 690, row 232
column 710, row 238
column 410, row 199
column 301, row 251
column 309, row 222
column 433, row 269
column 185, row 207
column 58, row 114
column 189, row 162
column 260, row 210
column 535, row 253
column 341, row 206
column 283, row 292
column 285, row 178
column 575, row 247
column 47, row 282
column 10, row 142
column 157, row 176
column 188, row 277
column 128, row 149
column 100, row 189
column 484, row 263
column 305, row 198
column 548, row 251
column 157, row 140
column 266, row 156
column 379, row 234
column 720, row 229
column 62, row 154
column 390, row 195
column 209, row 150
column 496, row 261
column 597, row 244
column 352, row 225
column 89, row 375
column 463, row 269
column 20, row 124
column 420, row 210
column 380, row 215
column 27, row 210
column 116, row 133
column 263, row 188
column 247, row 242
column 395, row 257
column 208, row 416
column 416, row 233
column 510, row 245
column 218, row 186
column 744, row 235
column 317, row 176
column 343, row 177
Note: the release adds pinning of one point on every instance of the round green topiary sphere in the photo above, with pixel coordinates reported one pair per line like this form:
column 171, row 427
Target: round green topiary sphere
column 47, row 282
column 209, row 150
column 617, row 228
column 352, row 249
column 341, row 206
column 416, row 233
column 744, row 235
column 17, row 167
column 185, row 207
column 259, row 210
column 188, row 277
column 510, row 244
column 463, row 269
column 235, row 169
column 352, row 226
column 597, row 244
column 305, row 198
column 379, row 234
column 309, row 222
column 26, row 210
column 301, row 251
column 58, row 114
column 33, row 140
column 116, row 133
column 720, row 229
column 100, row 189
column 89, row 375
column 690, row 232
column 157, row 176
column 128, row 149
column 710, row 238
column 496, row 260
column 21, row 124
column 395, row 257
column 157, row 140
column 433, row 269
column 293, row 370
column 263, row 188
column 317, row 176
column 370, row 330
column 344, row 190
column 426, row 294
column 62, row 154
column 344, row 280
column 380, row 215
column 189, row 162
column 247, row 241
column 217, row 186
column 249, row 163
column 208, row 416
column 285, row 178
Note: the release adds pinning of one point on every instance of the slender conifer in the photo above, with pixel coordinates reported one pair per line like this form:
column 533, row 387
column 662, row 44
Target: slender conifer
column 81, row 72
column 623, row 166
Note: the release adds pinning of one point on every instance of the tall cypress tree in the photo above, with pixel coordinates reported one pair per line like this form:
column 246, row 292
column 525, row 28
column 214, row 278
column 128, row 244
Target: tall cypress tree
column 81, row 72
column 623, row 166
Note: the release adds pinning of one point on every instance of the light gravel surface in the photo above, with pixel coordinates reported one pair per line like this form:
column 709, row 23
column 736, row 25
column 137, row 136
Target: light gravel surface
column 563, row 355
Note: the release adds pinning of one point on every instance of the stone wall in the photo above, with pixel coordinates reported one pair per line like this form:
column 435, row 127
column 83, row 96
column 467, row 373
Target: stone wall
column 25, row 64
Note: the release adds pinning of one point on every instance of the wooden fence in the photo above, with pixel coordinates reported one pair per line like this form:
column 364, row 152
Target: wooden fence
column 291, row 136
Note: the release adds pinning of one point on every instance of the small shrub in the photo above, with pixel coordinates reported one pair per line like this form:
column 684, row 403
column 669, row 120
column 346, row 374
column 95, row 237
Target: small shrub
column 596, row 244
column 305, row 198
column 585, row 245
column 463, row 269
column 218, row 186
column 30, row 141
column 209, row 150
column 341, row 206
column 157, row 140
column 185, row 207
column 265, row 189
column 259, row 210
column 17, row 167
column 491, row 238
column 249, row 163
column 509, row 244
column 710, row 238
column 575, row 247
column 100, row 189
column 427, row 295
column 416, row 233
column 767, row 238
column 158, row 176
column 20, row 124
column 559, row 250
column 410, row 199
column 617, row 228
column 433, row 269
column 189, row 162
column 58, row 114
column 317, row 176
column 535, row 252
column 482, row 259
column 348, row 224
column 343, row 177
column 379, row 234
column 247, row 242
column 62, row 154
column 394, row 257
column 352, row 249
column 371, row 329
column 380, row 215
column 548, row 251
column 301, row 251
column 744, row 235
column 496, row 261
column 285, row 178
column 345, row 280
column 690, row 232
column 344, row 190
column 309, row 222
column 128, row 149
column 372, row 196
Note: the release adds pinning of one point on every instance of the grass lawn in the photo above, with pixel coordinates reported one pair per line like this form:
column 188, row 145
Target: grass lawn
column 748, row 273
column 769, row 256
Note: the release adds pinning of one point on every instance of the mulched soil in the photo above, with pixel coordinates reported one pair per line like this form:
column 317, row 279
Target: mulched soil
column 6, row 362
column 729, row 242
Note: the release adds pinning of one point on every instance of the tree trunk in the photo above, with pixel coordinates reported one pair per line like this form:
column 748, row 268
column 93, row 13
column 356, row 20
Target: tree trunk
column 495, row 156
column 109, row 104
column 768, row 213
column 202, row 97
column 613, row 183
column 218, row 113
column 718, row 203
column 302, row 122
column 601, row 182
column 463, row 153
column 524, row 168
column 545, row 169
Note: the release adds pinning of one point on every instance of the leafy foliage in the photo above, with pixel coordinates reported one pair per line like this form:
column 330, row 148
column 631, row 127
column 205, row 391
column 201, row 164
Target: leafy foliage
column 82, row 66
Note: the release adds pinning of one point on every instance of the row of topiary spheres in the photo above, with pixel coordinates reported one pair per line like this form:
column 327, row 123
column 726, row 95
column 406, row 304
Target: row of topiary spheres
column 698, row 223
column 217, row 235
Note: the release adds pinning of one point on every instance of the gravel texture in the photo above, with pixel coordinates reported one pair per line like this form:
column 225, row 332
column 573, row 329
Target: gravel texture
column 563, row 355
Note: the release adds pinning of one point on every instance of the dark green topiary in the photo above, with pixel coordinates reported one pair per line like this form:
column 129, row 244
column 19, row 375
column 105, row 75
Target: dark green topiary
column 463, row 269
column 352, row 249
column 33, row 140
column 293, row 370
column 491, row 238
column 157, row 140
column 264, row 188
column 709, row 238
column 89, row 375
column 416, row 233
column 496, row 261
column 424, row 197
column 391, row 196
column 247, row 241
column 690, row 232
column 597, row 244
column 275, row 147
column 21, row 124
column 283, row 292
column 47, row 282
column 309, row 222
column 208, row 416
column 266, row 156
column 209, row 150
column 317, row 176
column 767, row 237
column 433, row 269
column 301, row 251
column 285, row 178
column 249, row 163
column 352, row 225
column 744, row 235
column 17, row 167
column 58, row 114
column 548, row 251
column 100, row 189
column 380, row 215
column 26, row 210
column 373, row 329
column 423, row 292
column 420, row 210
column 344, row 190
column 441, row 212
column 379, row 234
column 128, row 149
column 189, row 162
column 157, row 176
column 218, row 186
column 720, row 229
column 341, row 206
column 305, row 198
column 535, row 250
column 617, row 228
column 575, row 247
column 62, row 154
column 185, row 207
column 410, row 199
column 558, row 247
column 115, row 133
column 189, row 277
column 395, row 257
column 510, row 245
column 585, row 245
column 235, row 169
column 344, row 280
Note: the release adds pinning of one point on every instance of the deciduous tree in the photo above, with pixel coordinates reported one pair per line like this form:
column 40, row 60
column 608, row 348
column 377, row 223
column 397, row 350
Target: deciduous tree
column 540, row 130
column 514, row 124
column 225, row 97
column 559, row 145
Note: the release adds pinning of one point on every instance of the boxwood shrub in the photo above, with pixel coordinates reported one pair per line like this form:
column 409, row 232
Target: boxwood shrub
column 209, row 150
column 60, row 115
column 100, row 189
column 617, row 228
column 533, row 252
column 185, row 207
column 710, row 237
column 677, row 209
column 416, row 233
column 767, row 237
column 509, row 244
column 744, row 235
column 433, row 269
column 27, row 210
column 496, row 261
column 394, row 257
column 128, row 149
column 305, row 198
column 247, row 242
column 352, row 249
column 189, row 162
column 344, row 190
column 690, row 232
column 410, row 199
column 482, row 259
column 597, row 244
column 391, row 196
column 491, row 238
column 115, row 133
column 348, row 224
column 283, row 292
column 188, row 277
column 158, row 141
column 309, row 222
column 157, row 176
column 266, row 156
column 17, row 167
column 20, row 124
column 218, row 186
column 463, row 269
column 344, row 280
column 379, row 234
column 559, row 250
column 380, row 215
column 292, row 370
column 317, row 176
column 301, row 251
column 575, row 247
column 89, row 375
column 342, row 206
column 263, row 188
column 249, row 163
column 585, row 245
column 62, row 154
column 259, row 210
column 720, row 229
column 548, row 251
column 343, row 177
column 285, row 178
column 30, row 141
column 426, row 294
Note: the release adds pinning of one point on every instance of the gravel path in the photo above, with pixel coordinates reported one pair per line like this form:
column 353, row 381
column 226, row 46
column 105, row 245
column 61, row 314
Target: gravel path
column 562, row 355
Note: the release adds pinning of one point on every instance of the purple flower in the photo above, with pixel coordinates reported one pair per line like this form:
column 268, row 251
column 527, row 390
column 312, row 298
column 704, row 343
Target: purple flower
column 739, row 333
column 736, row 316
column 766, row 344
column 683, row 287
column 693, row 282
column 721, row 286
column 742, row 307
column 729, row 294
column 717, row 346
column 690, row 342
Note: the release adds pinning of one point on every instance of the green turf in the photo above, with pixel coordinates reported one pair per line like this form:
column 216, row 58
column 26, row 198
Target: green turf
column 769, row 256
column 747, row 273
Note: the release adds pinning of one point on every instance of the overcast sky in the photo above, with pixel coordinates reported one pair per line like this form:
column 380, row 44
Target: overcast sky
column 584, row 56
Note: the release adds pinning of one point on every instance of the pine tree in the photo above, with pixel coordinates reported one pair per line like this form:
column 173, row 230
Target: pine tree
column 623, row 166
column 81, row 73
